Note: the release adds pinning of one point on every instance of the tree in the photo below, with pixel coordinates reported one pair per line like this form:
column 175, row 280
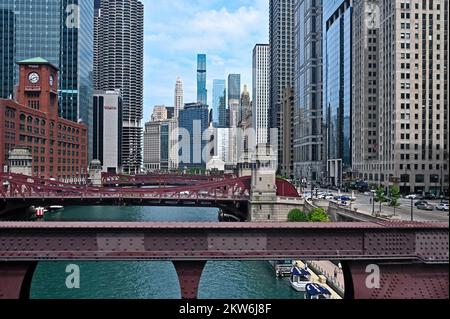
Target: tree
column 296, row 215
column 379, row 196
column 318, row 215
column 395, row 196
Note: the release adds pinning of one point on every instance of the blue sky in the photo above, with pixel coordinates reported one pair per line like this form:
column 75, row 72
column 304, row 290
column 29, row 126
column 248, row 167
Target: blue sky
column 176, row 30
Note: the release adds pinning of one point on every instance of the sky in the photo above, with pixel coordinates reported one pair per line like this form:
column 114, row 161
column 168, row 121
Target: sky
column 175, row 31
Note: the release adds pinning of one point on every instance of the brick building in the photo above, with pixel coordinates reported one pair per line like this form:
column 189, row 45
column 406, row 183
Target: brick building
column 58, row 146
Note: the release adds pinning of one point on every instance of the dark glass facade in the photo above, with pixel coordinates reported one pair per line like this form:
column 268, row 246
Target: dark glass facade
column 234, row 87
column 202, row 93
column 194, row 118
column 337, row 80
column 7, row 52
column 164, row 145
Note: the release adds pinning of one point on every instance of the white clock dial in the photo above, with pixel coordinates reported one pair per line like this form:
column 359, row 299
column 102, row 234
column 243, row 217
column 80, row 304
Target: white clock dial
column 33, row 78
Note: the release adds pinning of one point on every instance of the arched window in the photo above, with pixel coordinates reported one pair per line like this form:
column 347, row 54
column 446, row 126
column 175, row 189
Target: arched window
column 22, row 117
column 30, row 119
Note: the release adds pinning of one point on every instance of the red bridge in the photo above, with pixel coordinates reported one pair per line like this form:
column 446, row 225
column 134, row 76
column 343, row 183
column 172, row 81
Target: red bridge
column 227, row 192
column 412, row 258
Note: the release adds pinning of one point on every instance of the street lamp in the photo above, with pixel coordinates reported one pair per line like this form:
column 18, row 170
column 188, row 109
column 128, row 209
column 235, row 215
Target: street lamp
column 412, row 209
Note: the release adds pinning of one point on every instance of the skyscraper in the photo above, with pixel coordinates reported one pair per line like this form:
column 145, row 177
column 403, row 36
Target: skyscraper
column 60, row 31
column 261, row 80
column 202, row 93
column 179, row 97
column 281, row 37
column 120, row 66
column 413, row 114
column 246, row 106
column 7, row 52
column 337, row 87
column 308, row 138
column 365, row 92
column 234, row 87
column 219, row 91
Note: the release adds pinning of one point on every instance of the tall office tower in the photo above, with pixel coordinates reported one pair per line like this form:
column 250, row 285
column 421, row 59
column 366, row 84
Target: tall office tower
column 365, row 72
column 287, row 164
column 246, row 106
column 152, row 146
column 337, row 88
column 234, row 87
column 223, row 112
column 307, row 121
column 219, row 91
column 121, row 66
column 7, row 52
column 96, row 69
column 261, row 96
column 107, row 130
column 194, row 119
column 202, row 92
column 179, row 97
column 281, row 37
column 413, row 113
column 61, row 32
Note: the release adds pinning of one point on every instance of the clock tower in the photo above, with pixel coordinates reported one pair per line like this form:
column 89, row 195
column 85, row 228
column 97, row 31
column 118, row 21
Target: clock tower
column 38, row 86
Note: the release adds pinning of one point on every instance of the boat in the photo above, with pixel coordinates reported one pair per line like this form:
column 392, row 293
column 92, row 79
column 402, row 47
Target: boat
column 55, row 208
column 39, row 212
column 282, row 268
column 316, row 291
column 300, row 278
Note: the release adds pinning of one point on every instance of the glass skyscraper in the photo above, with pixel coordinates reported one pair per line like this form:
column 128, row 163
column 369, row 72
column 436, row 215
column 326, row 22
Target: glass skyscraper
column 61, row 32
column 234, row 87
column 219, row 93
column 202, row 93
column 337, row 81
column 7, row 51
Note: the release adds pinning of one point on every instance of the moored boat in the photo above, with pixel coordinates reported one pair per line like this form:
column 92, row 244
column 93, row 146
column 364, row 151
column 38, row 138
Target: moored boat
column 300, row 278
column 316, row 291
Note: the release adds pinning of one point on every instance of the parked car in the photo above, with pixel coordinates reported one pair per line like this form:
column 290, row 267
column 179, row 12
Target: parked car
column 430, row 196
column 411, row 196
column 427, row 207
column 442, row 207
column 421, row 202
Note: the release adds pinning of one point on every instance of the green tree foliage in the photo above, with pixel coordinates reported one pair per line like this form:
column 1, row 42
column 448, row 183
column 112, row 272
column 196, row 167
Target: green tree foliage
column 395, row 196
column 379, row 196
column 318, row 215
column 296, row 215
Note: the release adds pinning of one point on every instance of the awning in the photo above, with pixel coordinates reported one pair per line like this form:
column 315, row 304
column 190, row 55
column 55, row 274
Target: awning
column 316, row 290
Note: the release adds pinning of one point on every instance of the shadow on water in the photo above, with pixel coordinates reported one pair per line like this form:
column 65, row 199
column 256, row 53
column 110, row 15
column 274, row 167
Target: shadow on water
column 153, row 280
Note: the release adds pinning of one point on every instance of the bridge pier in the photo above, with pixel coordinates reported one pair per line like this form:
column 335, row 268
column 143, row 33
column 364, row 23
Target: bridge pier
column 189, row 274
column 401, row 280
column 15, row 279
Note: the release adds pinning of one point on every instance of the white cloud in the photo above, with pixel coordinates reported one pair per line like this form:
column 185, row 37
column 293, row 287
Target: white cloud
column 176, row 30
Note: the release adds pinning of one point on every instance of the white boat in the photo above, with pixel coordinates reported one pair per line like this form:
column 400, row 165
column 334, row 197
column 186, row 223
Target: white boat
column 300, row 278
column 55, row 208
column 282, row 267
column 316, row 291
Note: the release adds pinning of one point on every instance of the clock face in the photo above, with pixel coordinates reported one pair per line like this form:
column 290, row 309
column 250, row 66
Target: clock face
column 33, row 78
column 51, row 80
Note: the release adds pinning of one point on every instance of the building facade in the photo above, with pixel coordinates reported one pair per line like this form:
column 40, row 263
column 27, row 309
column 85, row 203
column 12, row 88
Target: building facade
column 246, row 105
column 152, row 146
column 365, row 92
column 234, row 87
column 307, row 117
column 7, row 52
column 219, row 94
column 202, row 92
column 413, row 106
column 120, row 65
column 107, row 130
column 261, row 96
column 287, row 164
column 58, row 146
column 281, row 37
column 178, row 97
column 193, row 122
column 337, row 88
column 64, row 44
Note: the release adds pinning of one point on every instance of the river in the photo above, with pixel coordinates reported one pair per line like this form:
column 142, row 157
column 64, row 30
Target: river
column 154, row 280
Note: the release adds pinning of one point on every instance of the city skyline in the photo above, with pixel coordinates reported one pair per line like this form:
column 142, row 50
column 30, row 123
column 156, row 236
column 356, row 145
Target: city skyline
column 176, row 31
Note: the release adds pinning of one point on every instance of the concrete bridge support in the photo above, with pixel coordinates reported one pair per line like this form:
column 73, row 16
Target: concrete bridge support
column 15, row 279
column 390, row 280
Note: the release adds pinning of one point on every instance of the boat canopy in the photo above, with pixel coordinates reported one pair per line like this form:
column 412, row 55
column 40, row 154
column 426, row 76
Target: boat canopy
column 296, row 271
column 317, row 290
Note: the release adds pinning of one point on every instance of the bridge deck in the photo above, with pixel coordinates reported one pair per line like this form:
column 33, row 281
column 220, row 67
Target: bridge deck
column 428, row 243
